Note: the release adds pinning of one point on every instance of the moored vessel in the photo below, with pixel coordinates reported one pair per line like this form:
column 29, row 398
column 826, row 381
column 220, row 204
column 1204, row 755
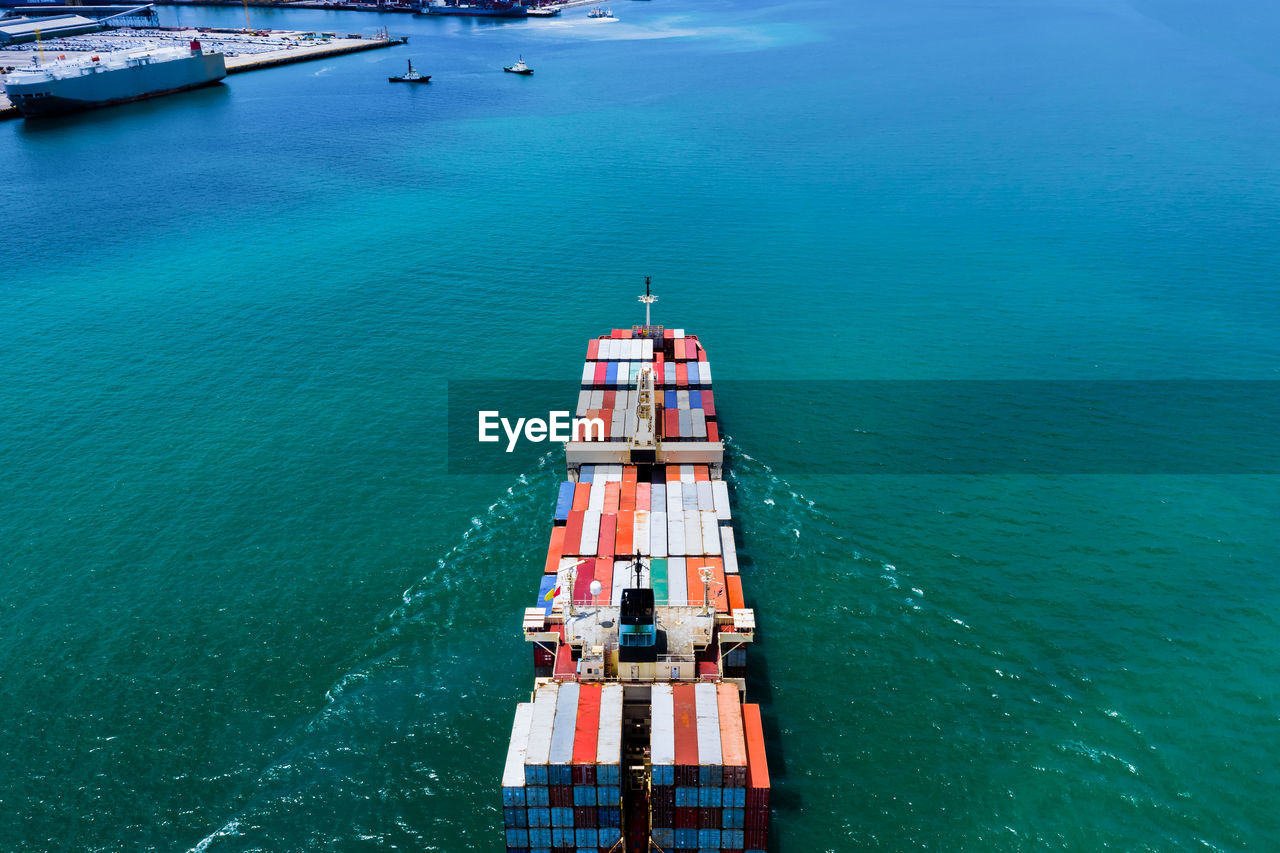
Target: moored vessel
column 67, row 86
column 638, row 735
column 482, row 9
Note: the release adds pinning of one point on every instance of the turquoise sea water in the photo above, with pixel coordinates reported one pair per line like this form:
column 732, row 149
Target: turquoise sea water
column 244, row 606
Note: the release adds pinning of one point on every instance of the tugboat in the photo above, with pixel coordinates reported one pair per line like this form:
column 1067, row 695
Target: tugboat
column 601, row 13
column 519, row 67
column 410, row 76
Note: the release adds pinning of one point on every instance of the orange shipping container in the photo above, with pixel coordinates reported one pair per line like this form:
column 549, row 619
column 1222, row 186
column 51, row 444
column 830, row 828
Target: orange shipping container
column 733, row 743
column 581, row 495
column 734, row 582
column 612, row 493
column 627, row 497
column 623, row 545
column 555, row 550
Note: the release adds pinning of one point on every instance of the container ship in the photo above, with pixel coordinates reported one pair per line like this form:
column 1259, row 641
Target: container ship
column 637, row 736
column 118, row 77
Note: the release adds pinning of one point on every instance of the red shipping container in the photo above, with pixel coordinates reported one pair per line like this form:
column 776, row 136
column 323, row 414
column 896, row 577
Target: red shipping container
column 686, row 817
column 664, row 797
column 615, row 334
column 605, row 415
column 708, row 818
column 582, row 578
column 608, row 530
column 671, row 429
column 604, row 574
column 756, row 818
column 572, row 534
column 593, row 349
column 610, row 399
column 708, row 404
column 668, row 334
column 584, row 817
column 581, row 497
column 612, row 493
column 623, row 546
column 644, row 494
column 555, row 550
column 602, row 373
column 566, row 668
column 693, row 581
column 734, row 584
column 682, row 375
column 757, row 839
column 713, row 432
column 686, row 733
column 630, row 474
column 586, row 731
column 627, row 499
column 561, row 796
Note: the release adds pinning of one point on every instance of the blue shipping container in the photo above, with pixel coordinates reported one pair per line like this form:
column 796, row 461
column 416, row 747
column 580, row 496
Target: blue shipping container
column 540, row 817
column 564, row 501
column 537, row 794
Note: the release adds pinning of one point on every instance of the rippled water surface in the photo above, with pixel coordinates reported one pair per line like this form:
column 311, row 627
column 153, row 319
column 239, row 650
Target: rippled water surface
column 244, row 606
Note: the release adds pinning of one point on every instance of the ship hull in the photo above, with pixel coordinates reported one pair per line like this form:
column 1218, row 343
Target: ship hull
column 111, row 87
column 478, row 12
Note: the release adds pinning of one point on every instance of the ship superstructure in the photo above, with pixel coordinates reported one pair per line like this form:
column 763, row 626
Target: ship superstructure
column 637, row 737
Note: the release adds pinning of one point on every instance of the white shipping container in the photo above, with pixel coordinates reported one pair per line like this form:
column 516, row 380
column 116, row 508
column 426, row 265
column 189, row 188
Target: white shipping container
column 622, row 400
column 675, row 533
column 640, row 532
column 609, row 743
column 608, row 350
column 674, row 501
column 595, row 500
column 621, row 580
column 720, row 490
column 662, row 726
column 563, row 570
column 704, row 372
column 728, row 550
column 513, row 770
column 584, row 403
column 658, row 497
column 589, row 373
column 658, row 534
column 612, row 473
column 706, row 496
column 682, row 399
column 677, row 333
column 677, row 583
column 707, row 712
column 590, row 532
column 686, row 424
column 689, row 497
column 710, row 533
column 544, row 716
column 566, row 721
column 646, row 349
column 692, row 533
column 616, row 426
column 686, row 473
column 597, row 399
column 699, row 424
column 668, row 373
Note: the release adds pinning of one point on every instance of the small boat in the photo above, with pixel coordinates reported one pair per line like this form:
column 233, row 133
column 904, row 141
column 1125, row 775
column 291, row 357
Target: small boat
column 410, row 76
column 600, row 13
column 519, row 67
column 543, row 11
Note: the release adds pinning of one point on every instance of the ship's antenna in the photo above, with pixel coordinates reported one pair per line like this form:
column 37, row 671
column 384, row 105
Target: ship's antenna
column 648, row 299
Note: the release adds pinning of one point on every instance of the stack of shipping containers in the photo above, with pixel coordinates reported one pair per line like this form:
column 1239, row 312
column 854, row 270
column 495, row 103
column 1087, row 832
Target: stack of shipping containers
column 686, row 409
column 705, row 793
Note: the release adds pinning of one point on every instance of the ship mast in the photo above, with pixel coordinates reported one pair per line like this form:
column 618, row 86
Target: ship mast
column 648, row 299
